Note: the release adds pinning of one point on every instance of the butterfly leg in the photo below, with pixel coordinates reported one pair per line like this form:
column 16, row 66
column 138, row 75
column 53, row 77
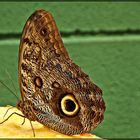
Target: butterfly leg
column 23, row 121
column 7, row 111
column 11, row 116
column 32, row 128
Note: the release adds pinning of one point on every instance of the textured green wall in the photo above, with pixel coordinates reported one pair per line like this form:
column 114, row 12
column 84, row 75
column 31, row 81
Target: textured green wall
column 71, row 16
column 112, row 61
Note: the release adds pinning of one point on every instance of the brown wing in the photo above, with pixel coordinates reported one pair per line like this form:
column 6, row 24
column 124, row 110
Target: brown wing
column 58, row 93
column 40, row 42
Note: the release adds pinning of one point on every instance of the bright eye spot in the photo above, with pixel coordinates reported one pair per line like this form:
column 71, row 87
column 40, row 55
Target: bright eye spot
column 69, row 105
column 44, row 31
column 38, row 82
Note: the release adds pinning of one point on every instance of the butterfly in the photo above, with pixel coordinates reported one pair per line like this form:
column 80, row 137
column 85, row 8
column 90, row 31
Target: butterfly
column 54, row 90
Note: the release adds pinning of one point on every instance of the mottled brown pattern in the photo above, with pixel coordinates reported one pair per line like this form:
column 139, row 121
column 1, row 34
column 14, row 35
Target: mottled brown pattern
column 47, row 74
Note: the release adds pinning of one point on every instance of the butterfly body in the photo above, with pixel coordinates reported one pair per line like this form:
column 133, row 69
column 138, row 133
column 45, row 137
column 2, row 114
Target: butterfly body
column 54, row 90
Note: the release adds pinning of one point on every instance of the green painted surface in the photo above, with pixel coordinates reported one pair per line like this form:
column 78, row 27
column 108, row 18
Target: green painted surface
column 112, row 62
column 70, row 15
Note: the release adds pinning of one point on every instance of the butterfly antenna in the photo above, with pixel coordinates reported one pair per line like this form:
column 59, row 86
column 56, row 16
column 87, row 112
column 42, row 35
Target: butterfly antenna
column 9, row 90
column 9, row 76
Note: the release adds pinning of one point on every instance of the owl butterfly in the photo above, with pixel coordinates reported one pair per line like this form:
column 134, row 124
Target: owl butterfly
column 54, row 90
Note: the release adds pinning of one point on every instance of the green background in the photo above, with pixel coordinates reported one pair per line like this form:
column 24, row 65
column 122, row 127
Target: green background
column 111, row 60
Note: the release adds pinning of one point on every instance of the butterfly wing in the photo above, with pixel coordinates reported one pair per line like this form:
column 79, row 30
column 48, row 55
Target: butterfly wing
column 40, row 42
column 62, row 95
